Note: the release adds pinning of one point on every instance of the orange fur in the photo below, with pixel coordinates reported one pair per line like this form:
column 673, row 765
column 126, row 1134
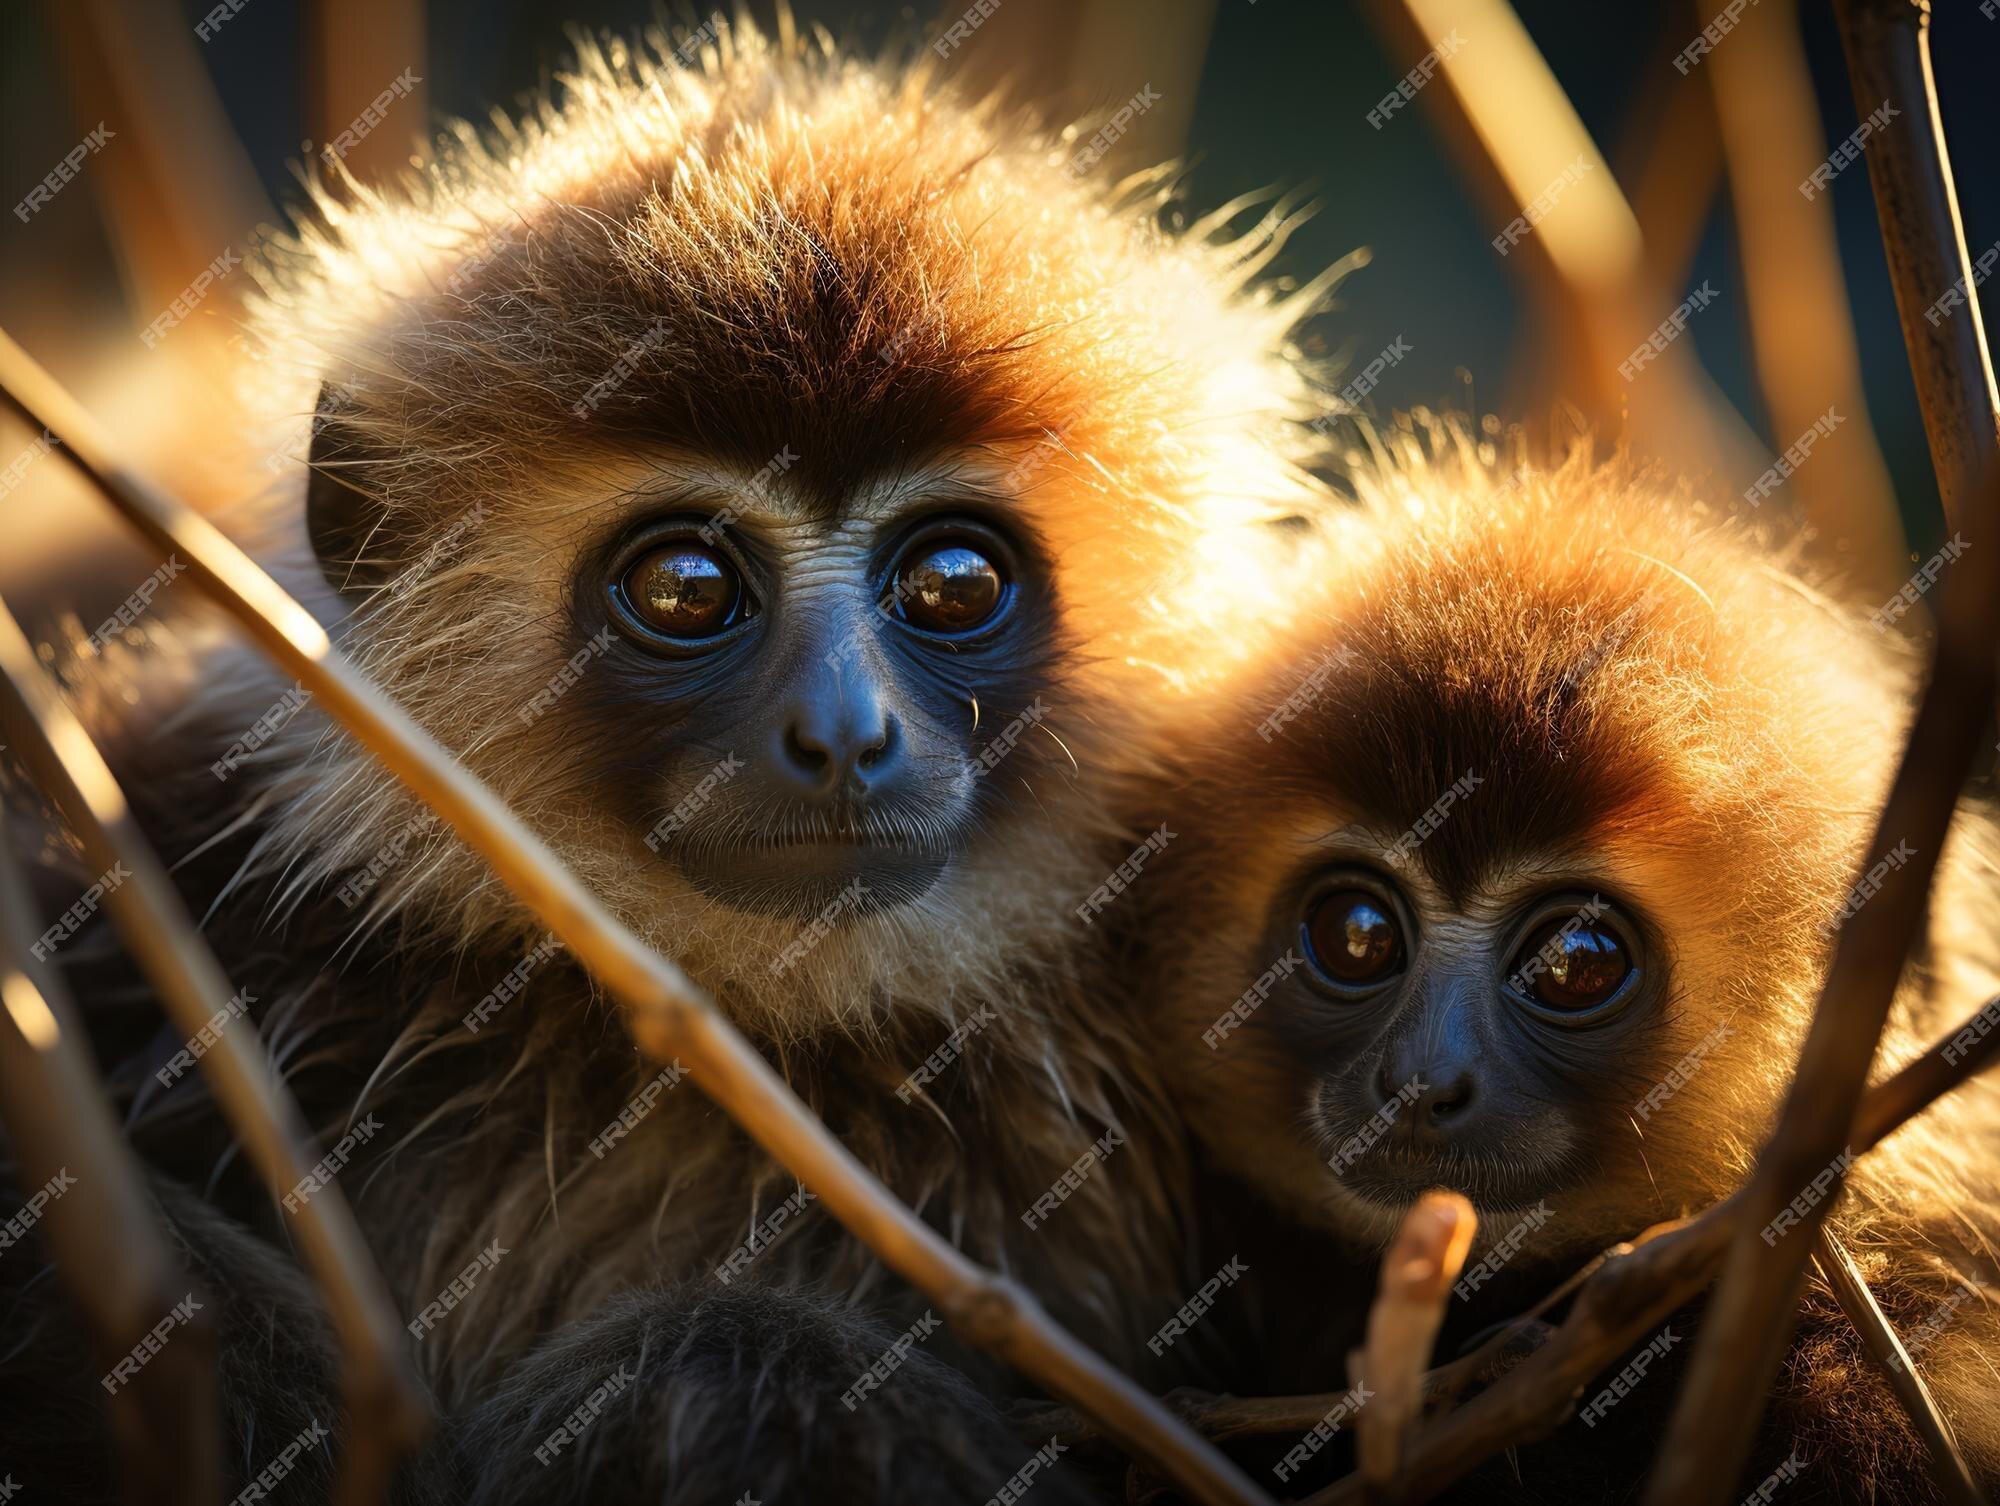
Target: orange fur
column 781, row 248
column 1663, row 704
column 788, row 213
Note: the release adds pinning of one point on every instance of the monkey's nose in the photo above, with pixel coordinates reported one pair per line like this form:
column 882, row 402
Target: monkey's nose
column 821, row 756
column 1431, row 1098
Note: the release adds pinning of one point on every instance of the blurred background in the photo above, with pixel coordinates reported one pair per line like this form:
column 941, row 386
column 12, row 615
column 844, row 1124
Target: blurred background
column 1670, row 177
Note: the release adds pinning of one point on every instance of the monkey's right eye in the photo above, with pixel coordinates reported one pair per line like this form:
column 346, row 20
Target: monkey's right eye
column 1572, row 967
column 949, row 587
column 682, row 590
column 1353, row 938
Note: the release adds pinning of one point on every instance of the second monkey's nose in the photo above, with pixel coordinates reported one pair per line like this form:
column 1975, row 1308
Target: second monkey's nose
column 1434, row 1096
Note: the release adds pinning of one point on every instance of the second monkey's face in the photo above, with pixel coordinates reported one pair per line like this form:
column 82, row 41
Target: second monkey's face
column 1477, row 1040
column 1439, row 971
column 1522, row 887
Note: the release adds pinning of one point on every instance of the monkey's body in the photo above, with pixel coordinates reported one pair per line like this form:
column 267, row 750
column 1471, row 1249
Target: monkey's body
column 1575, row 721
column 738, row 1333
column 773, row 480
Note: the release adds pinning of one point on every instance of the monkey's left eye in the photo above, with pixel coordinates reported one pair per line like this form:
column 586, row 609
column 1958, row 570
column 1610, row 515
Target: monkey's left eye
column 685, row 591
column 949, row 586
column 1354, row 939
column 1572, row 967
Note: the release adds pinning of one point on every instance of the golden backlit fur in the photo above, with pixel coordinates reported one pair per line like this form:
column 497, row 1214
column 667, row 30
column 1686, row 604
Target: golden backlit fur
column 789, row 214
column 1663, row 705
column 896, row 291
column 800, row 285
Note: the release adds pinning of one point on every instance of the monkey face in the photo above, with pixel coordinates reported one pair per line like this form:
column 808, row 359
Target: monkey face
column 782, row 485
column 796, row 705
column 767, row 715
column 1482, row 1045
column 1374, row 1008
column 1526, row 885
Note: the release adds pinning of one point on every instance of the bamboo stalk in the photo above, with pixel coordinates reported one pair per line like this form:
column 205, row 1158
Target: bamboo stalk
column 668, row 1015
column 1888, row 58
column 98, row 1225
column 386, row 1414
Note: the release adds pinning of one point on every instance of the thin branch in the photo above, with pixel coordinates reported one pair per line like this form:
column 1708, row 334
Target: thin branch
column 386, row 1412
column 1417, row 1273
column 667, row 1014
column 1937, row 295
column 98, row 1224
column 1899, row 1371
column 1749, row 1322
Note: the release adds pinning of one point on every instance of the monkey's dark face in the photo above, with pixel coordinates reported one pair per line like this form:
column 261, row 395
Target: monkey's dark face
column 892, row 341
column 1516, row 870
column 1386, row 999
column 767, row 716
column 1483, row 1044
column 793, row 709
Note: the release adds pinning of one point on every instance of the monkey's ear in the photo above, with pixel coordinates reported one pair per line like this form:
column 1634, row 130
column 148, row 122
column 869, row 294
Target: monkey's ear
column 341, row 518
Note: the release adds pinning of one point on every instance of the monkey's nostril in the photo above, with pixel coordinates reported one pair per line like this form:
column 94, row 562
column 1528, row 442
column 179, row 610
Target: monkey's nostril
column 808, row 756
column 879, row 749
column 820, row 761
column 1385, row 1090
column 1450, row 1098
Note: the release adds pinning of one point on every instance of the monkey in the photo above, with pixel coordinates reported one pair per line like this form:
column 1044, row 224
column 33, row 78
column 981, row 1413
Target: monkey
column 1515, row 871
column 782, row 482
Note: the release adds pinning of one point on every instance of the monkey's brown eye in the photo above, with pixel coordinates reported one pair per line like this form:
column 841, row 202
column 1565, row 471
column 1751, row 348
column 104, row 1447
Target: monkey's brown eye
column 1354, row 939
column 684, row 591
column 1571, row 966
column 948, row 588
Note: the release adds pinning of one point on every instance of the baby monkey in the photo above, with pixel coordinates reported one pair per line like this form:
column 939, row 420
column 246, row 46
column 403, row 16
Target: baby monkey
column 780, row 479
column 1518, row 874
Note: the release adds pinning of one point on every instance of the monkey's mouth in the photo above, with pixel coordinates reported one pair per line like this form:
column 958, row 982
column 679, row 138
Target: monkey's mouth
column 1396, row 1180
column 1391, row 1172
column 820, row 872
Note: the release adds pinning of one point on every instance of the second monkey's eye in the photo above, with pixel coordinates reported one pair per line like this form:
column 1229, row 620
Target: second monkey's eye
column 948, row 586
column 1571, row 966
column 683, row 590
column 1354, row 938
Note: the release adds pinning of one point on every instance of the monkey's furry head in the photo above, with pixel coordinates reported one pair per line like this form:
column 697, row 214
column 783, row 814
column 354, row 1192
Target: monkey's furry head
column 1516, row 871
column 785, row 338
